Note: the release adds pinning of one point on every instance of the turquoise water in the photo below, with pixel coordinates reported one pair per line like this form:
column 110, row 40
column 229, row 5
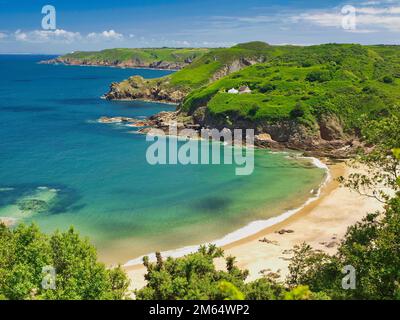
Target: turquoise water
column 96, row 176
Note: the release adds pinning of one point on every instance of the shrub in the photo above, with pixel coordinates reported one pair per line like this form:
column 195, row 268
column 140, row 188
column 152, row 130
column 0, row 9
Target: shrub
column 298, row 111
column 25, row 251
column 387, row 79
column 318, row 76
column 306, row 64
column 266, row 87
column 253, row 110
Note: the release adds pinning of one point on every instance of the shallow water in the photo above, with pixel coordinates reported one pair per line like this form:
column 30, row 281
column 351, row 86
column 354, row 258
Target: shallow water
column 97, row 176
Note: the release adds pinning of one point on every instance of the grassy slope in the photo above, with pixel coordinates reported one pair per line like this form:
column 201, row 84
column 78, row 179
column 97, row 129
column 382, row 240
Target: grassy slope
column 201, row 71
column 306, row 82
column 143, row 55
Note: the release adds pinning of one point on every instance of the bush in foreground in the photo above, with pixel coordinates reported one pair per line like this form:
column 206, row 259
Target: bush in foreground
column 25, row 251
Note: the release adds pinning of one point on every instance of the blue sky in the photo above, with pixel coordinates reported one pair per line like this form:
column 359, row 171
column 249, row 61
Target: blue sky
column 94, row 25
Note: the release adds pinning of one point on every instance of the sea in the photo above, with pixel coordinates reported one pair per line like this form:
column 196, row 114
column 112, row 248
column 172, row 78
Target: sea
column 61, row 168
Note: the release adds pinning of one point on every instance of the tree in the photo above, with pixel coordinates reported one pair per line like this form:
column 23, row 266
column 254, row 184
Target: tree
column 264, row 289
column 196, row 277
column 382, row 167
column 304, row 293
column 191, row 277
column 25, row 251
column 371, row 246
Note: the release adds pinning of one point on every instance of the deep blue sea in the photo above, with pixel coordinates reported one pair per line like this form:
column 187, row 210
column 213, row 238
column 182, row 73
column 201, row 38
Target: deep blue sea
column 75, row 171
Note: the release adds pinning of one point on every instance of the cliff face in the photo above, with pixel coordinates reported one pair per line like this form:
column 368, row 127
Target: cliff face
column 285, row 134
column 235, row 66
column 325, row 138
column 134, row 63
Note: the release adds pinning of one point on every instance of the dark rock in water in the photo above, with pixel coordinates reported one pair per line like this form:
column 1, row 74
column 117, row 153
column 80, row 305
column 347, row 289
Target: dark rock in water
column 212, row 204
column 33, row 205
column 116, row 120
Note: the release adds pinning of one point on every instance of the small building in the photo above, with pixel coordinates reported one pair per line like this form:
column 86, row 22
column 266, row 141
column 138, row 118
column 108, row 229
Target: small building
column 233, row 91
column 244, row 89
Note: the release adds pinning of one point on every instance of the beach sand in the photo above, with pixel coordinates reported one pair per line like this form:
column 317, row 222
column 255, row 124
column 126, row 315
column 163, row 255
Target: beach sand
column 321, row 223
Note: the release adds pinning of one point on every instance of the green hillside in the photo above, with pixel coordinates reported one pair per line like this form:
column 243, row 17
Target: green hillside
column 201, row 71
column 214, row 64
column 338, row 86
column 303, row 83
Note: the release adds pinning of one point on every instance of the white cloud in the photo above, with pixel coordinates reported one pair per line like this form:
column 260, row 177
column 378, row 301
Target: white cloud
column 375, row 11
column 3, row 35
column 63, row 36
column 321, row 18
column 183, row 43
column 368, row 18
column 105, row 35
column 20, row 36
column 43, row 36
column 256, row 19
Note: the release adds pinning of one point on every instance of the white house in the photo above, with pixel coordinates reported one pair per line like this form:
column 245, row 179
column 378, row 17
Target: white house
column 233, row 91
column 244, row 89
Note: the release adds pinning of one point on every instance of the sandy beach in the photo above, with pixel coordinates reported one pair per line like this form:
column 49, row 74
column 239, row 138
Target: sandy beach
column 321, row 223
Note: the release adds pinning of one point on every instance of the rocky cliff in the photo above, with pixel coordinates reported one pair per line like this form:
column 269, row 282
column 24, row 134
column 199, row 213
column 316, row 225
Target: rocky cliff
column 134, row 63
column 138, row 88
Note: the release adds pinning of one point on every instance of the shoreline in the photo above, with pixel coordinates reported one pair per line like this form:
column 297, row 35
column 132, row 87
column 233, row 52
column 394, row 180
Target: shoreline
column 142, row 100
column 320, row 223
column 330, row 184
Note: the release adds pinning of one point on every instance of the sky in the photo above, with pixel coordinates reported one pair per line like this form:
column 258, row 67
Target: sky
column 99, row 24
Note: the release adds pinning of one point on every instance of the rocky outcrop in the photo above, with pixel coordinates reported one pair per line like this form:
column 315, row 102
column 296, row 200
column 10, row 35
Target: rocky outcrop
column 235, row 66
column 285, row 134
column 325, row 138
column 330, row 127
column 130, row 122
column 116, row 120
column 138, row 88
column 277, row 136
